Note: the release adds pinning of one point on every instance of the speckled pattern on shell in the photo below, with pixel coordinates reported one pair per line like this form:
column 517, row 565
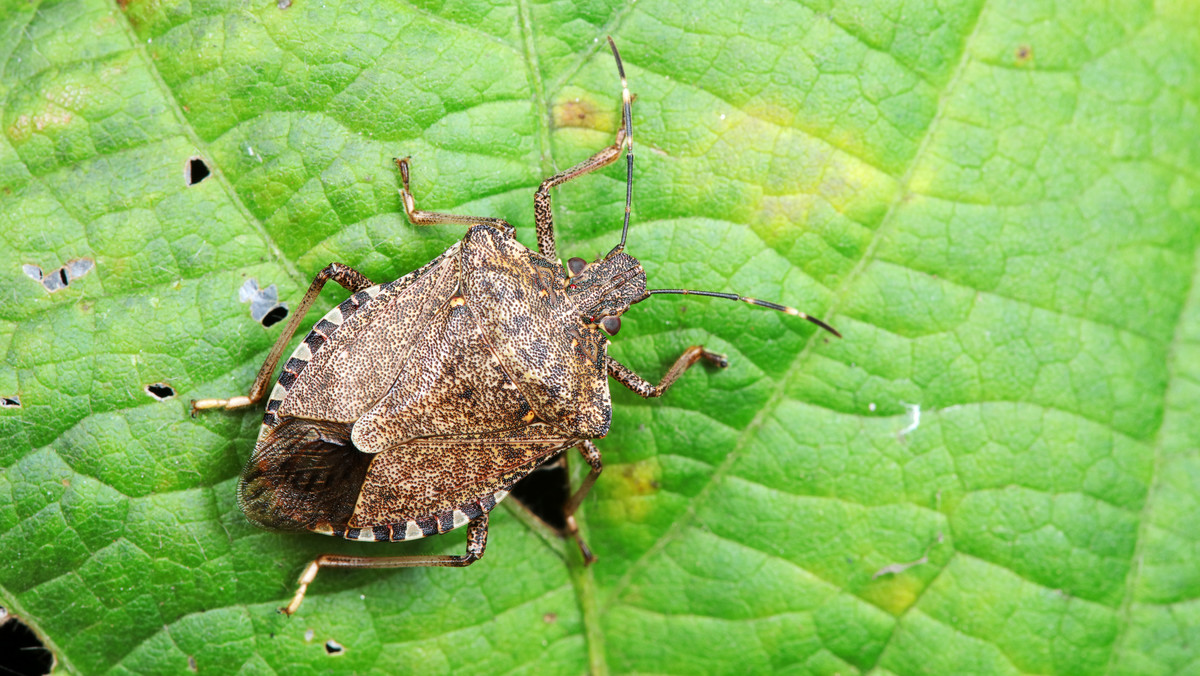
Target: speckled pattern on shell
column 414, row 406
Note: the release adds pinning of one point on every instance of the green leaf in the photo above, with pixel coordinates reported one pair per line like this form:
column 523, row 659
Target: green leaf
column 997, row 470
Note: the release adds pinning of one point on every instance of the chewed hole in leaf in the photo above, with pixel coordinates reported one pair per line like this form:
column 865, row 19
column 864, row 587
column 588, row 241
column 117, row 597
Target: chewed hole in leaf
column 333, row 647
column 265, row 307
column 10, row 402
column 195, row 171
column 276, row 315
column 57, row 280
column 160, row 391
column 21, row 651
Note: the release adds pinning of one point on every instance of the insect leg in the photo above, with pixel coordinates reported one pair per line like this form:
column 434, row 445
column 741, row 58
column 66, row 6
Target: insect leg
column 644, row 388
column 591, row 455
column 345, row 275
column 418, row 217
column 476, row 542
column 542, row 213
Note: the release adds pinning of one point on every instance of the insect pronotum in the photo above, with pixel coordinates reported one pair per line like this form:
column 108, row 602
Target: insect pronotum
column 413, row 407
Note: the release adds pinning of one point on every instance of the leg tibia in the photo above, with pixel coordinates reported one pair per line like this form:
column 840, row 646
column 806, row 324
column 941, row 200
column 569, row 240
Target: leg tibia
column 646, row 389
column 476, row 543
column 542, row 212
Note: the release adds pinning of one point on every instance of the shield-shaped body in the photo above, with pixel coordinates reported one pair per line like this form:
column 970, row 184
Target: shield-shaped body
column 414, row 406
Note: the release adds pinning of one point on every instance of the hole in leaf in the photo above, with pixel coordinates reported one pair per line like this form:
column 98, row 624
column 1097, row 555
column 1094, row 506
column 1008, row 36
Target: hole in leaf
column 265, row 307
column 10, row 402
column 21, row 651
column 160, row 391
column 275, row 316
column 333, row 647
column 57, row 280
column 545, row 492
column 195, row 171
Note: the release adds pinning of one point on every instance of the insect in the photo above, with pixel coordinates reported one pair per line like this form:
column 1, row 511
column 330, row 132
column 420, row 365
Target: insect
column 413, row 407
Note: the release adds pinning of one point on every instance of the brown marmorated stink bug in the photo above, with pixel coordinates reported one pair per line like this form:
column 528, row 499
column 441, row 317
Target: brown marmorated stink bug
column 414, row 406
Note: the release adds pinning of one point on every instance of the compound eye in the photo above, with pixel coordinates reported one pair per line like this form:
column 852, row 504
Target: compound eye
column 576, row 266
column 611, row 325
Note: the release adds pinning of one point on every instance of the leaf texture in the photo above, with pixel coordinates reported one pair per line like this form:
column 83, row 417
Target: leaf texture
column 996, row 202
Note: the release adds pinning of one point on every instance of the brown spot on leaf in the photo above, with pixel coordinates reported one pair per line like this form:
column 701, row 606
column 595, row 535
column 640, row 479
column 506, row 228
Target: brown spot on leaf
column 1024, row 55
column 577, row 112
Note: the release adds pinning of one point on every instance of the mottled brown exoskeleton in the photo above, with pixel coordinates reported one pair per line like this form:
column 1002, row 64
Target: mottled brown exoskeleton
column 414, row 406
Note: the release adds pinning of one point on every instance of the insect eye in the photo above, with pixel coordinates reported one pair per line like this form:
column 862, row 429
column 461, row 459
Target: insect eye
column 611, row 325
column 576, row 265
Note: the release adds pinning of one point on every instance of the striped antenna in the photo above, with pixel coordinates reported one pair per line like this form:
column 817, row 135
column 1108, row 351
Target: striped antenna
column 627, row 118
column 753, row 301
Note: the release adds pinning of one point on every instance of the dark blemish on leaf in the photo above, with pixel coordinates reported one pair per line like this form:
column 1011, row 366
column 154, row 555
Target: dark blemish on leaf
column 333, row 647
column 10, row 402
column 575, row 113
column 192, row 663
column 550, row 618
column 265, row 307
column 59, row 279
column 21, row 651
column 160, row 391
column 1024, row 55
column 275, row 316
column 636, row 478
column 195, row 171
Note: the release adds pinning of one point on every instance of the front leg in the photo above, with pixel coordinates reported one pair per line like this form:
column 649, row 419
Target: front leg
column 646, row 389
column 543, row 214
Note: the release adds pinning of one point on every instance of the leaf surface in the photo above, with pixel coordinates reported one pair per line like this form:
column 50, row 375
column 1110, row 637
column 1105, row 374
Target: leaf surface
column 996, row 471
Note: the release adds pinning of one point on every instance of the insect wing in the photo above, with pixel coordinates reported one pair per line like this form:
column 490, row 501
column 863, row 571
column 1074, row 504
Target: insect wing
column 358, row 362
column 304, row 473
column 438, row 476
